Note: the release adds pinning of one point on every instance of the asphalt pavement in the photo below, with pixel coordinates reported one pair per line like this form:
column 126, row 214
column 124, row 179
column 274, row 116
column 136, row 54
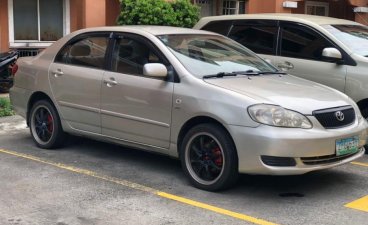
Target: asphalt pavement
column 89, row 182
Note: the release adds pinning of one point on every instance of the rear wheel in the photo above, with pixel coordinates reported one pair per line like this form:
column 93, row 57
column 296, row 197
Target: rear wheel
column 209, row 158
column 45, row 125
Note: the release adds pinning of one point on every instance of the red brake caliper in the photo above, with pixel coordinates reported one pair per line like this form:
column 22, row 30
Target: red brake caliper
column 218, row 158
column 50, row 122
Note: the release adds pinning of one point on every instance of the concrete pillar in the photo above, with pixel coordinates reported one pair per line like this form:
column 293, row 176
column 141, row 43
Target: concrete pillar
column 268, row 6
column 95, row 13
column 87, row 13
column 4, row 26
column 112, row 12
column 361, row 18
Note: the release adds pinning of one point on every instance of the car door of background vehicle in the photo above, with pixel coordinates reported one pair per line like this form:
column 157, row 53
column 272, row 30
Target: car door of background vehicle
column 260, row 36
column 75, row 79
column 300, row 54
column 136, row 108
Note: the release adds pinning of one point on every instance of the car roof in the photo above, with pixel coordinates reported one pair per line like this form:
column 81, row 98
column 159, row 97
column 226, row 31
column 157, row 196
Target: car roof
column 302, row 18
column 154, row 30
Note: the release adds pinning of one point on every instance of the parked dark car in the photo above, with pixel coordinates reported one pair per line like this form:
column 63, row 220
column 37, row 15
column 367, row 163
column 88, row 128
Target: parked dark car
column 8, row 68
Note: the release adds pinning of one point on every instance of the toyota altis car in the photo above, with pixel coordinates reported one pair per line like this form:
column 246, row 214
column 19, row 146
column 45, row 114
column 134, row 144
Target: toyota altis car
column 189, row 94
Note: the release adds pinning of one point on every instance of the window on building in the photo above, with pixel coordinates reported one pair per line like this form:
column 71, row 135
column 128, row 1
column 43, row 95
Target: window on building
column 303, row 43
column 233, row 7
column 317, row 8
column 206, row 7
column 37, row 21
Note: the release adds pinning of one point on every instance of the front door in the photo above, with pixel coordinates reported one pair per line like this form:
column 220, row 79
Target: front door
column 300, row 54
column 136, row 108
column 75, row 79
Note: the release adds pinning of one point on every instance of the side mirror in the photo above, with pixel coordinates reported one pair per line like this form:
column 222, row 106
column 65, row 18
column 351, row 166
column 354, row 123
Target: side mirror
column 332, row 55
column 155, row 70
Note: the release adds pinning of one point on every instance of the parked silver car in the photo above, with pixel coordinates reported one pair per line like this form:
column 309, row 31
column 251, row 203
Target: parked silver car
column 190, row 94
column 330, row 51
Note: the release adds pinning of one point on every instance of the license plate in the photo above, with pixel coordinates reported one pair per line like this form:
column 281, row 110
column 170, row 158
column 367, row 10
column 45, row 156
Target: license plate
column 347, row 146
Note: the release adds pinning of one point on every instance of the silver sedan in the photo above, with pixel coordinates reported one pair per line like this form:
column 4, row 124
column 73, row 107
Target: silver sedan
column 189, row 94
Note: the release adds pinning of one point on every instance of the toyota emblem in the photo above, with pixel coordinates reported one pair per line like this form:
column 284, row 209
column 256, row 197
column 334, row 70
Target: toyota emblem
column 340, row 116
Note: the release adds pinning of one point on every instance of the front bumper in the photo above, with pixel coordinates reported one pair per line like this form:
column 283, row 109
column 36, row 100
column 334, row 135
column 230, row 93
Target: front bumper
column 299, row 144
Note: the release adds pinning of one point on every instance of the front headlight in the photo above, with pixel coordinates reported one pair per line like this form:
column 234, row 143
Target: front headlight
column 274, row 115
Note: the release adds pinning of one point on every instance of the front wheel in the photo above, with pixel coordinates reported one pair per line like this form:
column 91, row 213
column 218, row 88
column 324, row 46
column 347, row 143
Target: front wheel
column 364, row 112
column 208, row 157
column 45, row 125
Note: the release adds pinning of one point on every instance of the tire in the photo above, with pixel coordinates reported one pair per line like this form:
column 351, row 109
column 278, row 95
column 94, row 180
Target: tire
column 364, row 112
column 45, row 125
column 208, row 157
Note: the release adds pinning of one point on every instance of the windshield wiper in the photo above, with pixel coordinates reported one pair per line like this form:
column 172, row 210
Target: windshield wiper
column 236, row 73
column 272, row 72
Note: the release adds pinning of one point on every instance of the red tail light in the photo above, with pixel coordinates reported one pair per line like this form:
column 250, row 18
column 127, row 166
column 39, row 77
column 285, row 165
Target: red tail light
column 14, row 69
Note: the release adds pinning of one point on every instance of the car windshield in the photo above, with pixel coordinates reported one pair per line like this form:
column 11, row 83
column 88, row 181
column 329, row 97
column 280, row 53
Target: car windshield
column 354, row 37
column 204, row 55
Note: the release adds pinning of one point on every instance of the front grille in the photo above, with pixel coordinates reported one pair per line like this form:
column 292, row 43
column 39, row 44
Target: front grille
column 329, row 120
column 278, row 161
column 319, row 160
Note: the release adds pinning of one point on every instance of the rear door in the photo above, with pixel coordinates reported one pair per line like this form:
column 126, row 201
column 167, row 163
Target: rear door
column 75, row 79
column 136, row 108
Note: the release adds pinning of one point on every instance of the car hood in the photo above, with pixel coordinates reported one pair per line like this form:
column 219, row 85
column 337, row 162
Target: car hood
column 284, row 90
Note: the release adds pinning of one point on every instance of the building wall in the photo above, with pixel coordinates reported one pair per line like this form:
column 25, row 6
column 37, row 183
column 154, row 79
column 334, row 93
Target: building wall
column 89, row 13
column 95, row 13
column 92, row 13
column 77, row 14
column 266, row 6
column 4, row 26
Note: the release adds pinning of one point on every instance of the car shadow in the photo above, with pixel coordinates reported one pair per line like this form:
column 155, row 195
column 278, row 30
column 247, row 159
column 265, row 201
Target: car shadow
column 297, row 186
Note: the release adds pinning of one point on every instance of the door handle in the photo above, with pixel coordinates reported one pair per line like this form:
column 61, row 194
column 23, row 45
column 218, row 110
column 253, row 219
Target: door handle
column 58, row 73
column 285, row 66
column 110, row 82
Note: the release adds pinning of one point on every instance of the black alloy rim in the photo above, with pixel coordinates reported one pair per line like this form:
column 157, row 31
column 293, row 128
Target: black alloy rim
column 206, row 158
column 44, row 124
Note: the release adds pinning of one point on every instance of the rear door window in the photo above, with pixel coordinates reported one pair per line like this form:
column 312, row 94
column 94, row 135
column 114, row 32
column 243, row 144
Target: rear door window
column 258, row 36
column 220, row 27
column 299, row 41
column 88, row 52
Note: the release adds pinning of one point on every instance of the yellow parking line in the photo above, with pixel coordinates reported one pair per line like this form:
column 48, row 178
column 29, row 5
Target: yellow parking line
column 360, row 164
column 360, row 204
column 140, row 187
